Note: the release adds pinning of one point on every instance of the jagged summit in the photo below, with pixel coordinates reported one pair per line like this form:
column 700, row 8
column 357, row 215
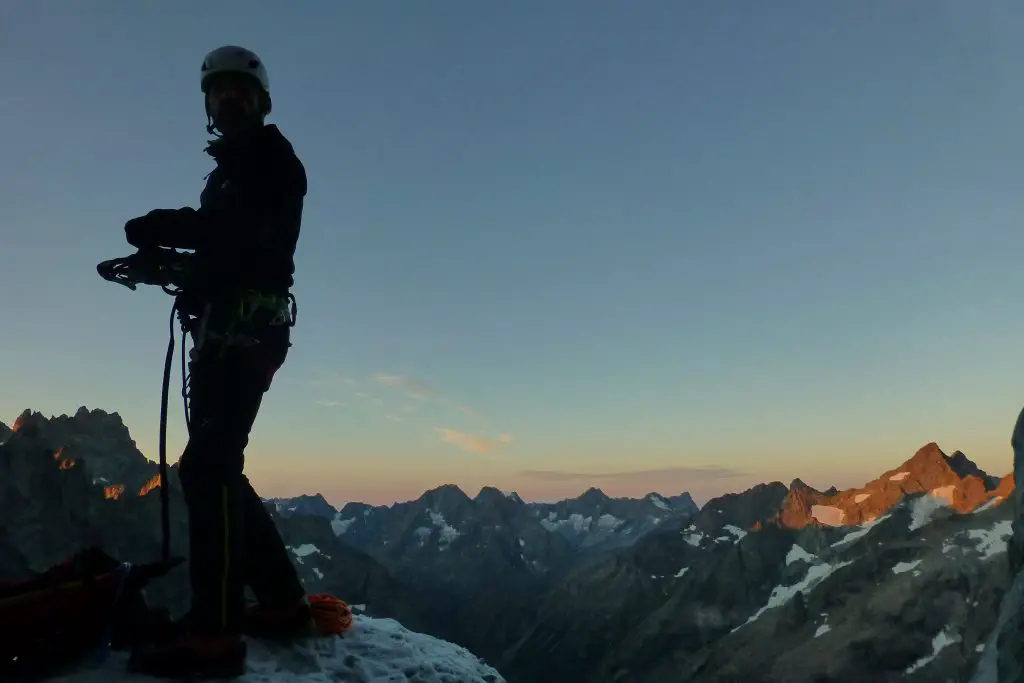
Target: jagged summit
column 448, row 501
column 305, row 504
column 95, row 439
column 956, row 480
column 492, row 495
column 84, row 420
column 446, row 490
column 799, row 484
column 593, row 496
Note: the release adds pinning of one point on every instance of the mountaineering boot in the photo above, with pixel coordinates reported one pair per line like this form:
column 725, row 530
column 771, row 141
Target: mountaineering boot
column 293, row 620
column 191, row 656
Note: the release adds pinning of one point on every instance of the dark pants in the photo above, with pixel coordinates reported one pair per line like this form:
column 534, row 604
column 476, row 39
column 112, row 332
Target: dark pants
column 233, row 541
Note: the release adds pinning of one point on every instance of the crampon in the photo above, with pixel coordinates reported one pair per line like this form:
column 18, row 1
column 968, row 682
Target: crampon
column 165, row 268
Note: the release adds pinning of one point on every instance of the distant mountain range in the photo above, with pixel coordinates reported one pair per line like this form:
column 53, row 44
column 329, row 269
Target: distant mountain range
column 590, row 522
column 899, row 579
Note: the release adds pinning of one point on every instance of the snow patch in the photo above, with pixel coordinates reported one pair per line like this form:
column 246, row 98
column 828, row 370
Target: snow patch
column 922, row 509
column 822, row 630
column 992, row 541
column 901, row 567
column 680, row 573
column 798, row 554
column 735, row 531
column 659, row 502
column 511, row 495
column 899, row 476
column 608, row 522
column 447, row 534
column 578, row 522
column 319, row 574
column 827, row 514
column 861, row 531
column 816, row 573
column 340, row 526
column 305, row 550
column 861, row 497
column 942, row 639
column 693, row 539
column 946, row 492
column 989, row 504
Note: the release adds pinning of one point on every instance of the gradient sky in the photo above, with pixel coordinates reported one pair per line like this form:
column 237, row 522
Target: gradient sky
column 646, row 246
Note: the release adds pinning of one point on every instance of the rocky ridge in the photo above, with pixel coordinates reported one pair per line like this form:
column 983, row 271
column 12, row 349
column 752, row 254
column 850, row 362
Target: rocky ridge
column 746, row 579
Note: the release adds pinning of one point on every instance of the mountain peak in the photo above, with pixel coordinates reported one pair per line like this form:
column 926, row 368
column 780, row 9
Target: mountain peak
column 684, row 501
column 446, row 494
column 745, row 509
column 28, row 423
column 931, row 464
column 491, row 493
column 799, row 485
column 593, row 495
column 927, row 458
column 954, row 480
column 312, row 498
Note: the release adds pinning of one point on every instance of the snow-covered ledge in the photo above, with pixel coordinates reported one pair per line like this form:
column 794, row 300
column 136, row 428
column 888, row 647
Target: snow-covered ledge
column 374, row 651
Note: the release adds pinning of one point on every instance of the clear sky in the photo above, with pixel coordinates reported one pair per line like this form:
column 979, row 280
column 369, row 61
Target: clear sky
column 547, row 245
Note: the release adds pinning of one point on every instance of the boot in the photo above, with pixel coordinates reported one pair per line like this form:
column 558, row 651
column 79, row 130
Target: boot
column 293, row 620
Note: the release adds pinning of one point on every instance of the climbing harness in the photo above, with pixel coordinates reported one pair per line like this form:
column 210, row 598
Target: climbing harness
column 169, row 270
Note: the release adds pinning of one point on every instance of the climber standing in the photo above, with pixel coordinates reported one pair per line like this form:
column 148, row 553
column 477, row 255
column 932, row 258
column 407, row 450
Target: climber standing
column 239, row 311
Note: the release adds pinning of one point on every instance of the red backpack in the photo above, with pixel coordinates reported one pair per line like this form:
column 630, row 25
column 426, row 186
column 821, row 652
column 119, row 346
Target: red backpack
column 74, row 613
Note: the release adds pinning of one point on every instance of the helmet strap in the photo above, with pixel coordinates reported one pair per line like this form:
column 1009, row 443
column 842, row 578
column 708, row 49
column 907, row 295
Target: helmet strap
column 210, row 128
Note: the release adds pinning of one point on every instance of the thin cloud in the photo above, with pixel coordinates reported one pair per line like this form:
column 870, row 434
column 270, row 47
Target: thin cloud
column 415, row 388
column 419, row 394
column 472, row 443
column 393, row 418
column 329, row 404
column 708, row 473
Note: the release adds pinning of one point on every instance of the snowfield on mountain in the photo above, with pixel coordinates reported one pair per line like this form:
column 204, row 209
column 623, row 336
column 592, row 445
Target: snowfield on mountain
column 374, row 651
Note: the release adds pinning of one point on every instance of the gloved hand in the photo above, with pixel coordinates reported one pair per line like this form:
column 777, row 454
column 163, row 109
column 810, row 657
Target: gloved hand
column 148, row 230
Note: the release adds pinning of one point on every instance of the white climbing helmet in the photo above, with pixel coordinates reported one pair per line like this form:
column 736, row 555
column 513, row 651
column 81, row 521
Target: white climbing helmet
column 236, row 59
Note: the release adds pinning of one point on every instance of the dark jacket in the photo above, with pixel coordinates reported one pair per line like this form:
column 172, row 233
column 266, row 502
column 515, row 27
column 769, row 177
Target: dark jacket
column 246, row 228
